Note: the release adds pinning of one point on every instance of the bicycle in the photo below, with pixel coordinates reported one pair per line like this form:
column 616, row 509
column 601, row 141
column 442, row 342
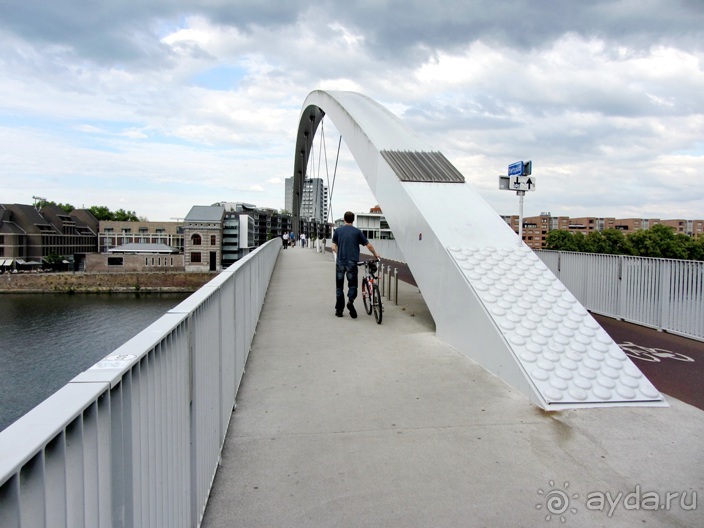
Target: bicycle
column 371, row 296
column 653, row 355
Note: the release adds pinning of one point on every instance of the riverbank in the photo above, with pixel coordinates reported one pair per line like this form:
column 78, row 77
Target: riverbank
column 102, row 282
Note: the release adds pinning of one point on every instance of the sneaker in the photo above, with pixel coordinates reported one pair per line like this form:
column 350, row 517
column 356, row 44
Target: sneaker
column 353, row 312
column 338, row 313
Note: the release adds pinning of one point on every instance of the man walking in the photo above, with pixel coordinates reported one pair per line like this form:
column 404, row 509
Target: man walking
column 345, row 245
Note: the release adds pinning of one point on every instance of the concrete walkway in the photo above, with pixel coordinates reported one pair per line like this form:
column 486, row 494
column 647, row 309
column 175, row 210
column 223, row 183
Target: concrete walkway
column 346, row 423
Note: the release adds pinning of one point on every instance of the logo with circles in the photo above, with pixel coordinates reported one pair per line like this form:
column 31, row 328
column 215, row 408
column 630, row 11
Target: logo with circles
column 556, row 502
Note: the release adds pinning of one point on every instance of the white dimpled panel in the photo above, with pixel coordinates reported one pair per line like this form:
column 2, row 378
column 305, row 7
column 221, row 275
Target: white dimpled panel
column 562, row 349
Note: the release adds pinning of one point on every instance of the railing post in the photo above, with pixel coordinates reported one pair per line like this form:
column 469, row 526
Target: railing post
column 388, row 279
column 620, row 296
column 396, row 286
column 665, row 274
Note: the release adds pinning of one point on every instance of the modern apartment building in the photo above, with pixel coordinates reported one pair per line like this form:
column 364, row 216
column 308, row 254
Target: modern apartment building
column 536, row 228
column 314, row 202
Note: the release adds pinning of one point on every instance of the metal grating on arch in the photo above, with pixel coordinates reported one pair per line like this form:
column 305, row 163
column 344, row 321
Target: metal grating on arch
column 422, row 167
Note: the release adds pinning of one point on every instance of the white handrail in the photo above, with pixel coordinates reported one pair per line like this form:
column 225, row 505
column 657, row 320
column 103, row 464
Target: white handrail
column 666, row 294
column 135, row 440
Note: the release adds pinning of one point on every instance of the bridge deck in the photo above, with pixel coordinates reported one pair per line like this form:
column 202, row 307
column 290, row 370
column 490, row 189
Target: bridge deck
column 343, row 422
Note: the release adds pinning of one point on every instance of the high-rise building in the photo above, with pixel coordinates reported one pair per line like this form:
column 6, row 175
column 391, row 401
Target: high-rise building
column 314, row 202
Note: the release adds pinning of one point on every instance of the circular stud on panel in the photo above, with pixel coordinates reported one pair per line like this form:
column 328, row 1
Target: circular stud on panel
column 582, row 383
column 540, row 374
column 550, row 356
column 587, row 372
column 577, row 393
column 507, row 325
column 601, row 392
column 629, row 382
column 534, row 348
column 553, row 394
column 590, row 364
column 539, row 340
column 528, row 357
column 648, row 390
column 517, row 340
column 573, row 356
column 568, row 363
column 632, row 371
column 605, row 382
column 544, row 364
column 626, row 392
column 563, row 373
column 558, row 384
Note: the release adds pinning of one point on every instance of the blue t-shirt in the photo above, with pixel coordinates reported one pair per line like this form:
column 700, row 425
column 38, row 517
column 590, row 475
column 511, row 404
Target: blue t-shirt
column 348, row 239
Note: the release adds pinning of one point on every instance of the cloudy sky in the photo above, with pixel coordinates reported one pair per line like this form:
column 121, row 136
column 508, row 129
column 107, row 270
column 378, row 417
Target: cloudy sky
column 157, row 105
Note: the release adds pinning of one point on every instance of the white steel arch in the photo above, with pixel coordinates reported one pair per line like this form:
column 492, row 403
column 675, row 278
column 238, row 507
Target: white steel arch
column 490, row 296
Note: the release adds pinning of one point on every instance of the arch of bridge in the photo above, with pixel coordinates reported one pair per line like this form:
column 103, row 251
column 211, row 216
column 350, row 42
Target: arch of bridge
column 491, row 297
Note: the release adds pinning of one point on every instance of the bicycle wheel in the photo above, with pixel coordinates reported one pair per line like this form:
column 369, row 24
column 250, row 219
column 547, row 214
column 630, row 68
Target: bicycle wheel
column 376, row 298
column 367, row 296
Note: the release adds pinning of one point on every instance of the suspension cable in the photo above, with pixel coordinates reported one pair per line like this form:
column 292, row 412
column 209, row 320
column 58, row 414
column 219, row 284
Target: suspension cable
column 334, row 175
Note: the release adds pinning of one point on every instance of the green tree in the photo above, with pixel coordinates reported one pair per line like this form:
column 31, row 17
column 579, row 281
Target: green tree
column 594, row 243
column 561, row 240
column 125, row 216
column 615, row 242
column 659, row 241
column 102, row 212
column 67, row 207
column 696, row 248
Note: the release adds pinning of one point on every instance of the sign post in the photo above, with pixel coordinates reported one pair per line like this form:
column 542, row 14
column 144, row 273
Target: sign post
column 519, row 179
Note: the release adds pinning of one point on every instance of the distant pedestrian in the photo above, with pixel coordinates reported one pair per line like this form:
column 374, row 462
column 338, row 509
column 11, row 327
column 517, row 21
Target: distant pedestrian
column 303, row 240
column 292, row 239
column 345, row 244
column 285, row 240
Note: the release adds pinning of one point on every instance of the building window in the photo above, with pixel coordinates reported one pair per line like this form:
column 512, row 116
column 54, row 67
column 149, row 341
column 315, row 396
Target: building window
column 213, row 240
column 196, row 240
column 195, row 256
column 115, row 261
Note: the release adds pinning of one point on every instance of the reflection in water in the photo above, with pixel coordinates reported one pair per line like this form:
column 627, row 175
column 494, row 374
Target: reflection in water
column 47, row 339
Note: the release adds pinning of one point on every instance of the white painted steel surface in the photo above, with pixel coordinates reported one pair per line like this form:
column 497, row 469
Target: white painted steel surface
column 458, row 248
column 135, row 440
column 660, row 293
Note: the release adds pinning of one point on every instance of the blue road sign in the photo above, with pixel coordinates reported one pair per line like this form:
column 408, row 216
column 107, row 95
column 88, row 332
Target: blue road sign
column 515, row 169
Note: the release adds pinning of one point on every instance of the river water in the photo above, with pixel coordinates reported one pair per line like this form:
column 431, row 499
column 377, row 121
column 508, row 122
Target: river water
column 47, row 339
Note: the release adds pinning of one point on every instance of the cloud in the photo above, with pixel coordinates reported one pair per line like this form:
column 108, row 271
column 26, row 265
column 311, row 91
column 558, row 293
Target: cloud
column 170, row 104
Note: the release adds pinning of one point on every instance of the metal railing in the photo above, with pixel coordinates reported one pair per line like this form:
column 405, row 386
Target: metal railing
column 665, row 294
column 136, row 439
column 659, row 293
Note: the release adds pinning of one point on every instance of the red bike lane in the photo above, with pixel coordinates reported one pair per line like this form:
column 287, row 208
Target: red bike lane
column 667, row 367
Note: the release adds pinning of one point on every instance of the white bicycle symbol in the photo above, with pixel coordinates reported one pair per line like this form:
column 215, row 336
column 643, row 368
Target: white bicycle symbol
column 653, row 355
